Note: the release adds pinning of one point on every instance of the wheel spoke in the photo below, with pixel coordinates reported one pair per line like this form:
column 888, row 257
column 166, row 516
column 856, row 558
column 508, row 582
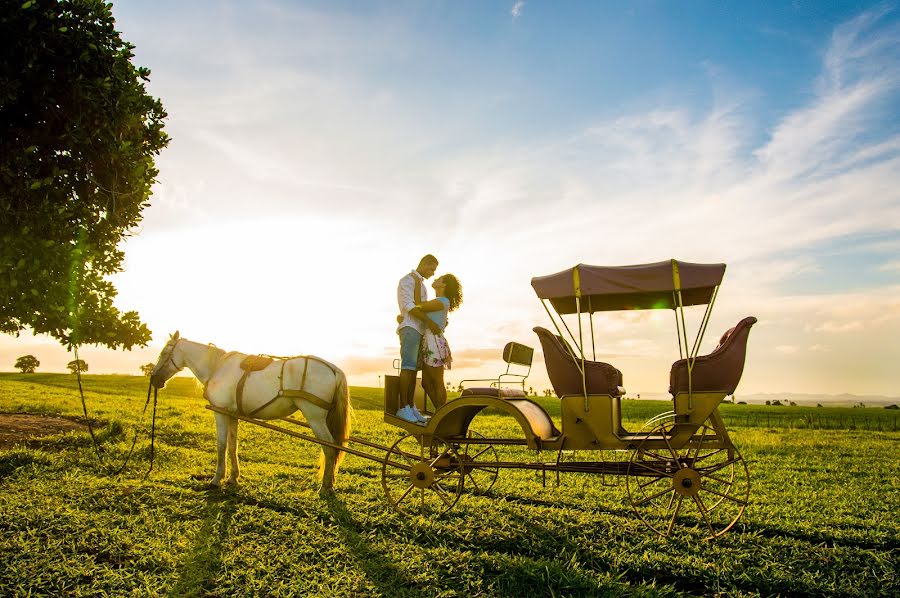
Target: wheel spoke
column 652, row 497
column 669, row 444
column 657, row 455
column 708, row 455
column 713, row 468
column 718, row 479
column 700, row 444
column 705, row 514
column 402, row 496
column 451, row 473
column 643, row 465
column 442, row 494
column 652, row 481
column 731, row 498
column 481, row 452
column 674, row 515
column 439, row 457
column 474, row 482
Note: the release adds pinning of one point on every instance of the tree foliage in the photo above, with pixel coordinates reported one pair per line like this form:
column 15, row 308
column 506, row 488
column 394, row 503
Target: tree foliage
column 147, row 368
column 27, row 363
column 78, row 137
column 77, row 364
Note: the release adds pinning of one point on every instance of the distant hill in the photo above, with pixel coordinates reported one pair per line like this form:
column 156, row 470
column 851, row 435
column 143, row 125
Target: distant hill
column 838, row 400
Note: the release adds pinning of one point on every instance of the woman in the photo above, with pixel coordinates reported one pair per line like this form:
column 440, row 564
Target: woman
column 435, row 351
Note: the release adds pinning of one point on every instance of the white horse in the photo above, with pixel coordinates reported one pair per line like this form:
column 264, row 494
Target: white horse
column 312, row 385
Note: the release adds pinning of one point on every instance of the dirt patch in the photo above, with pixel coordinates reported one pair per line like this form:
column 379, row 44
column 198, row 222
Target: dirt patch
column 16, row 428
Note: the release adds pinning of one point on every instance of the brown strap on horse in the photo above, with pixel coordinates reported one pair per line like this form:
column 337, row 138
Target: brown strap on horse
column 289, row 393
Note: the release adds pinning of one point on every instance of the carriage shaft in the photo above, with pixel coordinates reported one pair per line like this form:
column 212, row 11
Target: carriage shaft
column 346, row 449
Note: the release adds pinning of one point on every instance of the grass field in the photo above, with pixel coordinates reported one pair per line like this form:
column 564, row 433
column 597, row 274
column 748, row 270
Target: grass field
column 824, row 517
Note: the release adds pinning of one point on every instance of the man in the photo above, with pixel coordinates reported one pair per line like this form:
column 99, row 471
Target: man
column 411, row 291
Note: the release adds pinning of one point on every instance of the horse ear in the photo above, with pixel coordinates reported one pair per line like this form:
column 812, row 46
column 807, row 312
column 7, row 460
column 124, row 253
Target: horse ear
column 175, row 336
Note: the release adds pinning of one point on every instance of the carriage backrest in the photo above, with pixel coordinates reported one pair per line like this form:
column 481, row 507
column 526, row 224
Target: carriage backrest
column 565, row 375
column 720, row 370
column 517, row 354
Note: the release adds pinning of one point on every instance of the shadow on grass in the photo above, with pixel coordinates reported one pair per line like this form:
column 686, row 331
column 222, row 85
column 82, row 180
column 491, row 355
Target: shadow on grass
column 12, row 462
column 204, row 561
column 379, row 569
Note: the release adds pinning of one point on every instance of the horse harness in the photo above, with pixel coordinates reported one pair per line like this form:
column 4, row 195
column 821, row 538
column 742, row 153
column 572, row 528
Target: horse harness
column 255, row 363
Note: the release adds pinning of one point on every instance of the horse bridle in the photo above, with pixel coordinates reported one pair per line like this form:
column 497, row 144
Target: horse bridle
column 169, row 357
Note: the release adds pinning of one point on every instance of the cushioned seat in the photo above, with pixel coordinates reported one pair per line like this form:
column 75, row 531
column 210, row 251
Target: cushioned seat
column 719, row 371
column 563, row 369
column 502, row 393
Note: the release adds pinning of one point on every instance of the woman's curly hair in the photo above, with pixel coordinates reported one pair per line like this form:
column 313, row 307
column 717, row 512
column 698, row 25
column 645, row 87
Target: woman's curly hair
column 452, row 290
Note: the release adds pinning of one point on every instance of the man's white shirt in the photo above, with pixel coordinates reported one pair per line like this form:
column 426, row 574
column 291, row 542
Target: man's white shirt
column 406, row 300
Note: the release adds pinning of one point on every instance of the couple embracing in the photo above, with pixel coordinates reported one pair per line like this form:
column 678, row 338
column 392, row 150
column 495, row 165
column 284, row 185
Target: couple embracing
column 421, row 330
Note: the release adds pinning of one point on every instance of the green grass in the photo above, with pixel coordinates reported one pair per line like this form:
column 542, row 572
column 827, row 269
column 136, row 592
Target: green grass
column 823, row 518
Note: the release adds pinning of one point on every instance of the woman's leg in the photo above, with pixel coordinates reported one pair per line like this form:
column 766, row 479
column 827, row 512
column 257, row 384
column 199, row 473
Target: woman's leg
column 438, row 392
column 428, row 385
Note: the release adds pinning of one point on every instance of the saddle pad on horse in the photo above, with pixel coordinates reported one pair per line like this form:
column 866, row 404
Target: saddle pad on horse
column 255, row 363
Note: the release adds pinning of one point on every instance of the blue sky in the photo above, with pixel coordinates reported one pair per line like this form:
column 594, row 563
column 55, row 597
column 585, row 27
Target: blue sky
column 515, row 139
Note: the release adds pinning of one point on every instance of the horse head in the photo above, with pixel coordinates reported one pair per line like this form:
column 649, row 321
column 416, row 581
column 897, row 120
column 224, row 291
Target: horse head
column 170, row 362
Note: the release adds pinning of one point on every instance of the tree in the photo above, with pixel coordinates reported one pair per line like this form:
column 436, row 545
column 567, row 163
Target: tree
column 77, row 364
column 78, row 135
column 147, row 368
column 27, row 363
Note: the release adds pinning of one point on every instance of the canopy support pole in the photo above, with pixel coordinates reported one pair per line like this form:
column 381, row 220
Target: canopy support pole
column 591, row 315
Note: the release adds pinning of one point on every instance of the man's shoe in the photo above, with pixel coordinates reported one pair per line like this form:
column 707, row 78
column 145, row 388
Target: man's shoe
column 415, row 411
column 406, row 414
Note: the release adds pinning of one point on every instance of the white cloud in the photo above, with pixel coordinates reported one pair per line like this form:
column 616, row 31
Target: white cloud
column 839, row 326
column 786, row 349
column 517, row 9
column 892, row 266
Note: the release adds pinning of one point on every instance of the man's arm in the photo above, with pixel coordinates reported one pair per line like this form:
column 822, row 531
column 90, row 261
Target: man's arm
column 406, row 294
column 417, row 313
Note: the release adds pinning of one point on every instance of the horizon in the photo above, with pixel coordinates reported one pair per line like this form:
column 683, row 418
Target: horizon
column 520, row 138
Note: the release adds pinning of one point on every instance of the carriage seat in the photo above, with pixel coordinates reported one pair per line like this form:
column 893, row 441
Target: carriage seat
column 493, row 391
column 562, row 367
column 719, row 371
column 254, row 363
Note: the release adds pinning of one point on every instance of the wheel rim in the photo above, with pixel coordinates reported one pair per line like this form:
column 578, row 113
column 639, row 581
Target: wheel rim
column 422, row 478
column 479, row 464
column 704, row 484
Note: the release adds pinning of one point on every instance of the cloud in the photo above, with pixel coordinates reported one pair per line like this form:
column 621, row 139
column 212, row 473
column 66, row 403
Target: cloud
column 839, row 326
column 786, row 349
column 517, row 9
column 892, row 266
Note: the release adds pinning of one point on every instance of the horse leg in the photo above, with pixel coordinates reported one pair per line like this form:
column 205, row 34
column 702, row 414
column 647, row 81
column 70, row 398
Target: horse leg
column 233, row 450
column 222, row 422
column 320, row 429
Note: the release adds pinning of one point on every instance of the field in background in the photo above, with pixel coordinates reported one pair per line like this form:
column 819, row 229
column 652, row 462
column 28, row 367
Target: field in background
column 823, row 517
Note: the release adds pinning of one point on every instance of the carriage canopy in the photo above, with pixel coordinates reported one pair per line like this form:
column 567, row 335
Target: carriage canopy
column 642, row 286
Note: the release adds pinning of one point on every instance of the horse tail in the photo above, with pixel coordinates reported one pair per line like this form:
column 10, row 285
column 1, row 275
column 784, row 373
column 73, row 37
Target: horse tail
column 338, row 418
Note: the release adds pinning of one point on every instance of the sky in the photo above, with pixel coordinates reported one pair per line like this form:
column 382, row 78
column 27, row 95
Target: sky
column 319, row 149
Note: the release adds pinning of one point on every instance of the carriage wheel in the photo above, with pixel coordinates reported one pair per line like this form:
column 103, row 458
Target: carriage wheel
column 422, row 478
column 694, row 485
column 479, row 464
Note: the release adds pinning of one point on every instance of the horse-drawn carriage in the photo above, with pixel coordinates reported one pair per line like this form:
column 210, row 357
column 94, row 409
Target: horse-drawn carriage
column 682, row 466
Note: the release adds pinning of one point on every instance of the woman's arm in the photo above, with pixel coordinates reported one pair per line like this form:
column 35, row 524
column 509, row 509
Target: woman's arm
column 433, row 305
